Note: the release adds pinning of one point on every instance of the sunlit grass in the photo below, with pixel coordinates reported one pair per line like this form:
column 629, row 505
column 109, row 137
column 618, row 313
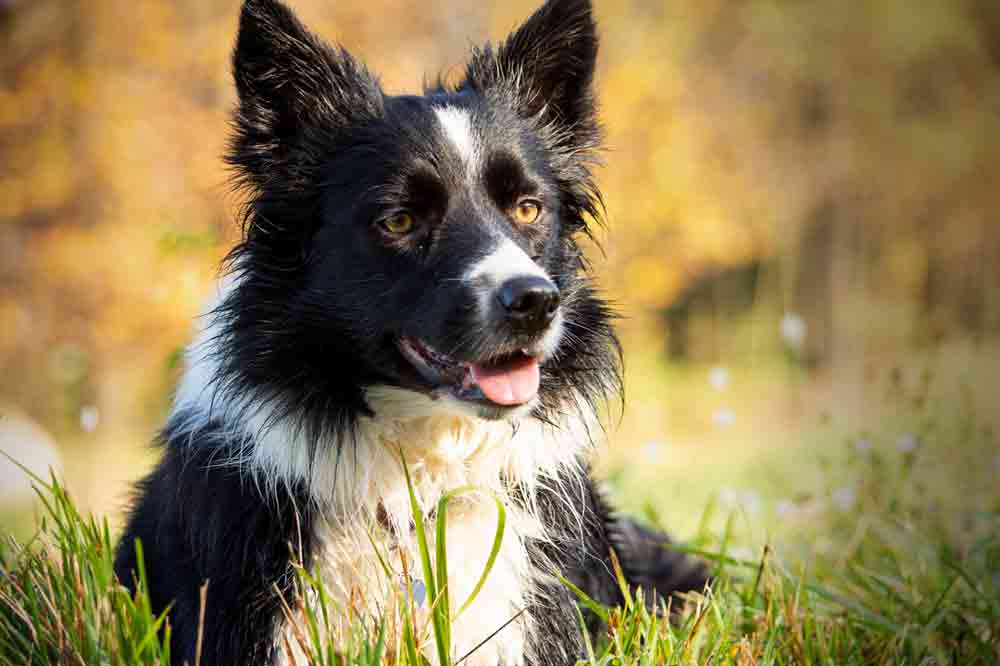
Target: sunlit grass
column 873, row 546
column 60, row 602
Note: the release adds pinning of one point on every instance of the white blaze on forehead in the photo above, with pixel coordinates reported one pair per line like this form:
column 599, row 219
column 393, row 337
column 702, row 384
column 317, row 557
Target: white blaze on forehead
column 457, row 126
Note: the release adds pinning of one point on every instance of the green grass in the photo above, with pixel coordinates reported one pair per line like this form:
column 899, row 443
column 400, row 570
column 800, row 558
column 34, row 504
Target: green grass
column 889, row 554
column 60, row 602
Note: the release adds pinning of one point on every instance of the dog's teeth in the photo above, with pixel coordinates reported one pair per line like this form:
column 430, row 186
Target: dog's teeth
column 467, row 381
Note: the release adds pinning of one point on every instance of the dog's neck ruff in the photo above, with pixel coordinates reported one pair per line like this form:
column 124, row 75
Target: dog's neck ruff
column 351, row 471
column 360, row 487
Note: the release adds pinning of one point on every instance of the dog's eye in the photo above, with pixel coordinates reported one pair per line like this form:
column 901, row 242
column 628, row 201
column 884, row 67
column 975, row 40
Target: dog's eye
column 527, row 211
column 399, row 224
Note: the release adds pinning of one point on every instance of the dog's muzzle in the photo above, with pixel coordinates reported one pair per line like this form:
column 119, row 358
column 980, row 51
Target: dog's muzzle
column 516, row 330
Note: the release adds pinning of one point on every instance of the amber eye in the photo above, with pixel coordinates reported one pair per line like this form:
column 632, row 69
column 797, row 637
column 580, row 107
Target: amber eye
column 399, row 224
column 527, row 211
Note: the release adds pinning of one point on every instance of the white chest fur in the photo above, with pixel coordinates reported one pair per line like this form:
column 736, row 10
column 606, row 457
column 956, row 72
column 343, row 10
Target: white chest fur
column 363, row 489
column 353, row 576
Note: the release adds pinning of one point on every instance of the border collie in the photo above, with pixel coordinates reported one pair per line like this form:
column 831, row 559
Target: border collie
column 409, row 285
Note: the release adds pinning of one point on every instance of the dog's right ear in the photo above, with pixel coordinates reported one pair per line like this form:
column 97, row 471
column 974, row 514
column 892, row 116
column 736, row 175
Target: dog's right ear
column 296, row 95
column 546, row 67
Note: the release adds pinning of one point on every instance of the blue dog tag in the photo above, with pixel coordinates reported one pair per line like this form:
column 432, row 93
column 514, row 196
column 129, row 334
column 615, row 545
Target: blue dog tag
column 419, row 592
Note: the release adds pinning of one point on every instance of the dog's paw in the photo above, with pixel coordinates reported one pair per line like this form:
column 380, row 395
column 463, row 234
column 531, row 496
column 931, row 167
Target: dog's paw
column 648, row 562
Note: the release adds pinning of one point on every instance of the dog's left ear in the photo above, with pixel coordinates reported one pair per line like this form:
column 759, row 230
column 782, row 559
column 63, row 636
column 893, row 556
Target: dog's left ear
column 547, row 65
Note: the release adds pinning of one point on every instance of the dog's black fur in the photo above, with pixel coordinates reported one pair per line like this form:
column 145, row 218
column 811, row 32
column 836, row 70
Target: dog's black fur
column 325, row 294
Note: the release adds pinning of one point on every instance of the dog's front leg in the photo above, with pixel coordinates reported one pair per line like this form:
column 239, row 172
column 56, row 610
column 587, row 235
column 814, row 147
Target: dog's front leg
column 205, row 526
column 579, row 547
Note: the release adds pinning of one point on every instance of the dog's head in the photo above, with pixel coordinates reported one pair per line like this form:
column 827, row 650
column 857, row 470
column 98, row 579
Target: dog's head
column 421, row 242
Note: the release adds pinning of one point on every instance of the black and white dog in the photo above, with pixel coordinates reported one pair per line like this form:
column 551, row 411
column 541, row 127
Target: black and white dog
column 409, row 284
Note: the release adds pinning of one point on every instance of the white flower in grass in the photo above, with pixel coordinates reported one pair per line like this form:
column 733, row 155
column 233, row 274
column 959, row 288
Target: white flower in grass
column 752, row 502
column 844, row 498
column 718, row 378
column 793, row 330
column 729, row 497
column 652, row 449
column 785, row 508
column 907, row 443
column 90, row 417
column 745, row 500
column 724, row 417
column 863, row 445
column 742, row 553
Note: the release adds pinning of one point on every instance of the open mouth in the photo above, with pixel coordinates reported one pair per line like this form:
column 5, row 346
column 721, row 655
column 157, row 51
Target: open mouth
column 507, row 381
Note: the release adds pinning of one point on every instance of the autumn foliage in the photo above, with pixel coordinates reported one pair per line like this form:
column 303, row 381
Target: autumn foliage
column 849, row 151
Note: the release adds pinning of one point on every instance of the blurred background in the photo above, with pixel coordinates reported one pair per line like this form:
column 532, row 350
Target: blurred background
column 802, row 230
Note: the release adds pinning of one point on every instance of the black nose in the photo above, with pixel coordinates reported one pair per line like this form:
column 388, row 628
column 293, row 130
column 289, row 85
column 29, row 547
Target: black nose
column 529, row 301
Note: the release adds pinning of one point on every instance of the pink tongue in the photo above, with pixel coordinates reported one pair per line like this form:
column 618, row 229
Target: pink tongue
column 512, row 383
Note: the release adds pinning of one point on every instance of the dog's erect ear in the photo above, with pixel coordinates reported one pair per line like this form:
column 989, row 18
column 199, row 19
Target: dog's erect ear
column 547, row 64
column 296, row 93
